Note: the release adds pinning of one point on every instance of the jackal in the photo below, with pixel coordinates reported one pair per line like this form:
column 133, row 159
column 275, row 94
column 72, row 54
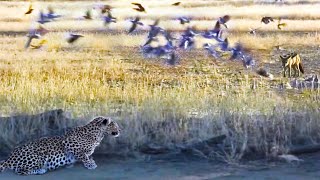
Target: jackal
column 290, row 61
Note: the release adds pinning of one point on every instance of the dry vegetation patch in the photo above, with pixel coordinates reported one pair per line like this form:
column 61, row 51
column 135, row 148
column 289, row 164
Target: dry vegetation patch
column 104, row 74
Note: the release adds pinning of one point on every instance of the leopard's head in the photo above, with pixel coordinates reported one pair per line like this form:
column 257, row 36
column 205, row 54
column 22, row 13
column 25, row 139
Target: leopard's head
column 106, row 126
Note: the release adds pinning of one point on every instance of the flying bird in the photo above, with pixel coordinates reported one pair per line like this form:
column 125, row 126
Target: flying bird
column 135, row 23
column 105, row 8
column 71, row 38
column 215, row 33
column 51, row 14
column 176, row 4
column 253, row 31
column 266, row 19
column 109, row 19
column 223, row 20
column 149, row 40
column 139, row 7
column 88, row 15
column 154, row 31
column 184, row 20
column 102, row 8
column 30, row 9
column 280, row 25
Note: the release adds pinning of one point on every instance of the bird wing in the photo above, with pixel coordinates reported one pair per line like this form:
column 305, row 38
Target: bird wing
column 88, row 14
column 28, row 42
column 156, row 22
column 176, row 4
column 226, row 42
column 217, row 26
column 29, row 9
column 148, row 41
column 139, row 6
column 109, row 14
column 133, row 27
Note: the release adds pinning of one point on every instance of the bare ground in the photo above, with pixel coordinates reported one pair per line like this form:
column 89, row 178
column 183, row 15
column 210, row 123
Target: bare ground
column 184, row 169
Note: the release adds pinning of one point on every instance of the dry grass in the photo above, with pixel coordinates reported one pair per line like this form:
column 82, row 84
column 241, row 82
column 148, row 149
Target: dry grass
column 104, row 74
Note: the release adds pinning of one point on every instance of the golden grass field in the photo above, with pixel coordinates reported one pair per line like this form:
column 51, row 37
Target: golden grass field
column 104, row 73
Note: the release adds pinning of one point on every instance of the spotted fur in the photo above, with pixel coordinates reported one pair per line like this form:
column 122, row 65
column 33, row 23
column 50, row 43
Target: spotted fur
column 49, row 153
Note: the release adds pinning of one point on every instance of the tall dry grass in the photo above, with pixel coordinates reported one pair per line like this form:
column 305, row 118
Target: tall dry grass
column 104, row 74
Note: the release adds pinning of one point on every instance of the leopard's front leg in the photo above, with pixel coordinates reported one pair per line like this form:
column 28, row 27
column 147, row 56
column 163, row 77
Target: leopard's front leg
column 87, row 161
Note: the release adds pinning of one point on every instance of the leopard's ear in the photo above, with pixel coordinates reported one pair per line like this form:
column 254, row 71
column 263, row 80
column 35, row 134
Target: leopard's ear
column 106, row 121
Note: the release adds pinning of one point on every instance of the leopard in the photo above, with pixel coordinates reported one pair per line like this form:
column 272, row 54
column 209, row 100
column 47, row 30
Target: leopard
column 49, row 153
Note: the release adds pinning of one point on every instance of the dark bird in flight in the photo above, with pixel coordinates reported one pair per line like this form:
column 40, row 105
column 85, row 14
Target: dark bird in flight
column 105, row 8
column 215, row 33
column 30, row 9
column 253, row 31
column 266, row 19
column 154, row 29
column 109, row 19
column 51, row 14
column 176, row 4
column 73, row 37
column 223, row 20
column 87, row 15
column 135, row 23
column 139, row 7
column 184, row 20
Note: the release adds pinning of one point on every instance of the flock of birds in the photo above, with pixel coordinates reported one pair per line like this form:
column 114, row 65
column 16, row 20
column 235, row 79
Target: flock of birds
column 173, row 45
